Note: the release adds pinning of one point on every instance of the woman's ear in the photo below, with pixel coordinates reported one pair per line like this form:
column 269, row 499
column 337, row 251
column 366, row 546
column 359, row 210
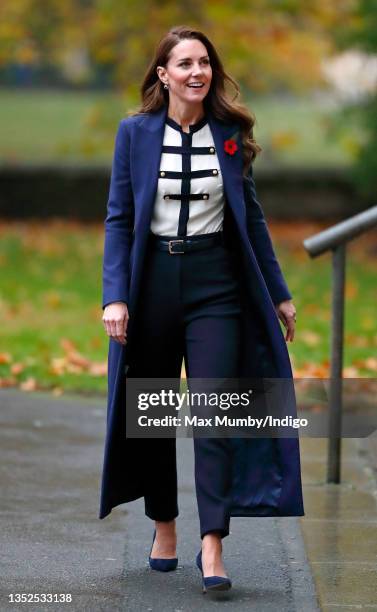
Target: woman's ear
column 160, row 72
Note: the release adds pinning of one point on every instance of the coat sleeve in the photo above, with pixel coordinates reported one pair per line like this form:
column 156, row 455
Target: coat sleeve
column 261, row 243
column 118, row 223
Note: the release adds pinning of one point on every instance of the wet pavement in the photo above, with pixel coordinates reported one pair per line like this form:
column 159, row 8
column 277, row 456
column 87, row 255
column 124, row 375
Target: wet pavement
column 340, row 525
column 53, row 542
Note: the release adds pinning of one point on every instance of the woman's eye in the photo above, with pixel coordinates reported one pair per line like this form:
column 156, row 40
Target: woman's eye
column 187, row 63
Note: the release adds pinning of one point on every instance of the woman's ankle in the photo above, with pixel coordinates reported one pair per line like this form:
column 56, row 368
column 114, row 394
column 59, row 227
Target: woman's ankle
column 166, row 528
column 212, row 560
column 165, row 542
column 212, row 540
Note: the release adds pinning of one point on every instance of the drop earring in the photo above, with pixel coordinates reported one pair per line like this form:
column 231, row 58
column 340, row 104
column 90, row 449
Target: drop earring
column 166, row 86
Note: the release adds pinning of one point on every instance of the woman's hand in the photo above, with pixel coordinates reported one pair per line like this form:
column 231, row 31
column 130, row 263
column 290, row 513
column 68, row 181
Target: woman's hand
column 115, row 319
column 287, row 314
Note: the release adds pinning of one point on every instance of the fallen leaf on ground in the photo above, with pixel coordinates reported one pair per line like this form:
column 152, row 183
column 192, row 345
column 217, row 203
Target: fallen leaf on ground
column 17, row 368
column 309, row 337
column 5, row 358
column 30, row 384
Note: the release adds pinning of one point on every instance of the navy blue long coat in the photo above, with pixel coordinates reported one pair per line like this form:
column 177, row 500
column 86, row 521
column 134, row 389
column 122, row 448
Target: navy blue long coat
column 267, row 475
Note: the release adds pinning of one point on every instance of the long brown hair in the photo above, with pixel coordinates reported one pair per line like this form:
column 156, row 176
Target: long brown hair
column 154, row 96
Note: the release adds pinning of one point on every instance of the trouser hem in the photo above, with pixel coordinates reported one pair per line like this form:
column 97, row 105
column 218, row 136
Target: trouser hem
column 224, row 531
column 161, row 517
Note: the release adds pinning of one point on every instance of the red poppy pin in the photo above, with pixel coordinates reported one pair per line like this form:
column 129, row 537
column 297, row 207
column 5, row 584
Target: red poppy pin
column 230, row 146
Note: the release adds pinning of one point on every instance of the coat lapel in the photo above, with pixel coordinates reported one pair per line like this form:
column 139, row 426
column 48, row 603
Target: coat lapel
column 231, row 165
column 147, row 155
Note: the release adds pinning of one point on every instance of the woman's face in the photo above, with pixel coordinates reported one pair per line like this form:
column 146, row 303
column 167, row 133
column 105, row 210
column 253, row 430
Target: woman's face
column 189, row 63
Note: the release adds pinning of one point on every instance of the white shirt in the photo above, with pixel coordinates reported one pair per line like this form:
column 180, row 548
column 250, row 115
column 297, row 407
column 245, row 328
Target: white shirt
column 195, row 178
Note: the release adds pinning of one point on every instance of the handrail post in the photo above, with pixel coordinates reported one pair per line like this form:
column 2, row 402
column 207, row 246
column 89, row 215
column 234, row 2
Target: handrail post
column 336, row 238
column 336, row 367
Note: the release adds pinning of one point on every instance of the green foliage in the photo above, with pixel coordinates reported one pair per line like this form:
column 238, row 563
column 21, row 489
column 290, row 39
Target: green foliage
column 265, row 44
column 50, row 304
column 360, row 32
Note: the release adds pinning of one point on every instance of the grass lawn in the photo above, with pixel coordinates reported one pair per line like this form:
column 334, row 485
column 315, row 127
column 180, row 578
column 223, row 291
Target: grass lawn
column 50, row 305
column 44, row 125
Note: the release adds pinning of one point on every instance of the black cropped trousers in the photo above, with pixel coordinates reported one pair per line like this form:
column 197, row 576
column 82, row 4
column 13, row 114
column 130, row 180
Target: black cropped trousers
column 189, row 308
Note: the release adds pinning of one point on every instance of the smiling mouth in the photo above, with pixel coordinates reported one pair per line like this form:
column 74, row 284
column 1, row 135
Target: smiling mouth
column 195, row 86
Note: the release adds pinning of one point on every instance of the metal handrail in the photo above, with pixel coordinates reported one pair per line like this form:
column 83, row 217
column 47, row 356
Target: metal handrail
column 335, row 238
column 341, row 232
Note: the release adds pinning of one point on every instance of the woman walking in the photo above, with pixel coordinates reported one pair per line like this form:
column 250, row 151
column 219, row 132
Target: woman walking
column 189, row 272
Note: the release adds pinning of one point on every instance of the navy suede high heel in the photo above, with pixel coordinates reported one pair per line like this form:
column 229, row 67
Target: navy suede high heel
column 212, row 583
column 162, row 565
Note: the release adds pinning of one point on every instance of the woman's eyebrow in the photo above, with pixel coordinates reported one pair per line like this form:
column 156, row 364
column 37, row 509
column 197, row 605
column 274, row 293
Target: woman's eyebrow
column 188, row 58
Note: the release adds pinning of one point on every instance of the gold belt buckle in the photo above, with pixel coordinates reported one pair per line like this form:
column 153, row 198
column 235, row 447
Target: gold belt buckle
column 171, row 242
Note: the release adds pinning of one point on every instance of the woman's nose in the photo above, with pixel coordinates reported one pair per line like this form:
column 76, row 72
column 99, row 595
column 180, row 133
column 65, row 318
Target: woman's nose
column 197, row 72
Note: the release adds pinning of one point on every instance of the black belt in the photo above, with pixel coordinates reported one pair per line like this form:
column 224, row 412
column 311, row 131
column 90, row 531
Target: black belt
column 176, row 246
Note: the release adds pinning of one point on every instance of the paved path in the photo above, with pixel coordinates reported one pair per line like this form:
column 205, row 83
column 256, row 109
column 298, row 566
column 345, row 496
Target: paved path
column 52, row 541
